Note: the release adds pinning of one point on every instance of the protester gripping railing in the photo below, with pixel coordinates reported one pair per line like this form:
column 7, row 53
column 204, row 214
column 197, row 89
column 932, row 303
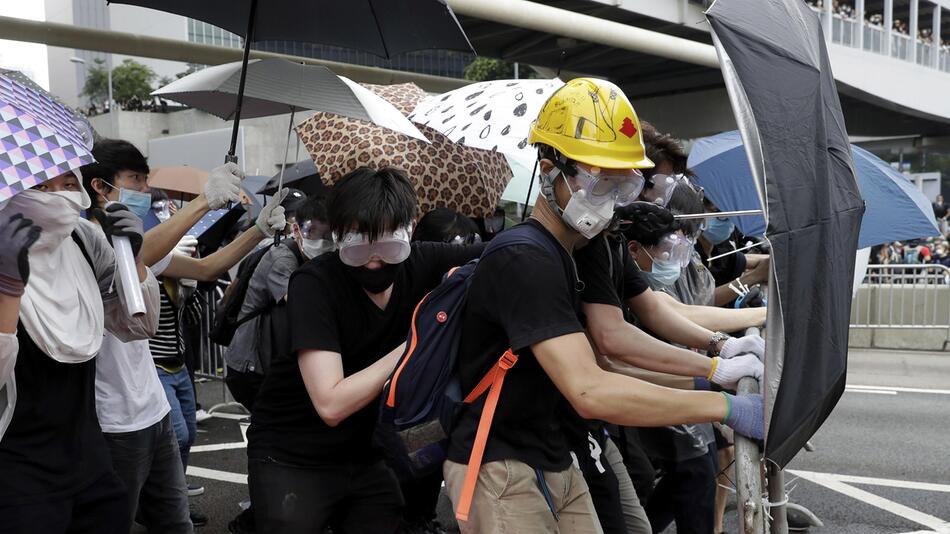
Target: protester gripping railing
column 897, row 296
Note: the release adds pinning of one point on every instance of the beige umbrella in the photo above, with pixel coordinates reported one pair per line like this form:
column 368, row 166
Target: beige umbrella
column 445, row 174
column 180, row 179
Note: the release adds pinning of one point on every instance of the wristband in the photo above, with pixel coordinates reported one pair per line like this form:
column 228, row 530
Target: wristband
column 712, row 370
column 728, row 407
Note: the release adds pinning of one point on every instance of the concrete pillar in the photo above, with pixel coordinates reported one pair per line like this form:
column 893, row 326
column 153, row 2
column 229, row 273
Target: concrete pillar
column 859, row 16
column 935, row 38
column 826, row 18
column 888, row 26
column 912, row 30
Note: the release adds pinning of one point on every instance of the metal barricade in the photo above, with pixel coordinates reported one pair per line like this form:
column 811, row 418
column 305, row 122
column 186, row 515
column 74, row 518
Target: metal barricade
column 914, row 296
column 211, row 363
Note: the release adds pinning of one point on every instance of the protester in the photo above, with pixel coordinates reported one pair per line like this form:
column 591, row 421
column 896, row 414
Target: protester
column 133, row 407
column 445, row 225
column 735, row 266
column 311, row 462
column 585, row 172
column 59, row 297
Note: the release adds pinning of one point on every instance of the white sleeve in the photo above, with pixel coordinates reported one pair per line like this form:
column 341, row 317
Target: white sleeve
column 9, row 346
column 161, row 264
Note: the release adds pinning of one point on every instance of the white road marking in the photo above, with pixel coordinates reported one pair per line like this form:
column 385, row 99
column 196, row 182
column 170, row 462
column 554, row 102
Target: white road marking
column 835, row 483
column 219, row 447
column 901, row 389
column 874, row 391
column 214, row 474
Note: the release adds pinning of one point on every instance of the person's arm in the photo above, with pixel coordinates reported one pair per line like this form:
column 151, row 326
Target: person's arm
column 660, row 379
column 657, row 315
column 210, row 268
column 9, row 313
column 597, row 394
column 278, row 277
column 613, row 336
column 336, row 397
column 713, row 318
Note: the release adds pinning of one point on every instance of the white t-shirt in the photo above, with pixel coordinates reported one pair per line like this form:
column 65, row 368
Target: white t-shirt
column 129, row 395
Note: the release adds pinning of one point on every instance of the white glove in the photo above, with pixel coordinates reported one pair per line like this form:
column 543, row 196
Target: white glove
column 728, row 372
column 740, row 345
column 186, row 245
column 223, row 185
column 271, row 218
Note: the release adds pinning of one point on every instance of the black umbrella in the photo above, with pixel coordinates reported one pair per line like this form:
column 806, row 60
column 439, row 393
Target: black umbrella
column 382, row 27
column 779, row 78
column 302, row 175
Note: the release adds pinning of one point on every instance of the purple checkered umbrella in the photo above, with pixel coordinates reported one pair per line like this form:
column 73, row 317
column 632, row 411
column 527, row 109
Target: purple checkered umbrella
column 39, row 138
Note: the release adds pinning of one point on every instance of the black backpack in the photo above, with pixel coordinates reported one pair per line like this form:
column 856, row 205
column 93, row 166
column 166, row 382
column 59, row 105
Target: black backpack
column 228, row 311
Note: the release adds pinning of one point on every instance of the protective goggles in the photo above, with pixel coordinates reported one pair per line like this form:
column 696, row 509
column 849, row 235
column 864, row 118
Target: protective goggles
column 356, row 250
column 471, row 239
column 622, row 186
column 659, row 188
column 672, row 248
column 314, row 230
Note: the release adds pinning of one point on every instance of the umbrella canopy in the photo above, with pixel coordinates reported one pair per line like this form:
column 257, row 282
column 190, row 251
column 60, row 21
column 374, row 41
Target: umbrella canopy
column 896, row 210
column 385, row 28
column 778, row 76
column 444, row 173
column 39, row 138
column 277, row 86
column 494, row 115
column 180, row 179
column 302, row 175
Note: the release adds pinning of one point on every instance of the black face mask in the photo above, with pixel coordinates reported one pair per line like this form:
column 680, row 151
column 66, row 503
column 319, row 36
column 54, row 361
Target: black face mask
column 375, row 280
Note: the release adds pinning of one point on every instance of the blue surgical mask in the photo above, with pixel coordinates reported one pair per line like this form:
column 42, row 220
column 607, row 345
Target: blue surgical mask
column 718, row 230
column 663, row 274
column 138, row 203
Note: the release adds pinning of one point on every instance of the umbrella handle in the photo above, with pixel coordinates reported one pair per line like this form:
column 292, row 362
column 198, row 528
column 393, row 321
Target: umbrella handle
column 231, row 157
column 524, row 212
column 283, row 164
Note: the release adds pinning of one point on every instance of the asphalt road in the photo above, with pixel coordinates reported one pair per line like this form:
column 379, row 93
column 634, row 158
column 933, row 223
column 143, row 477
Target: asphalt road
column 881, row 464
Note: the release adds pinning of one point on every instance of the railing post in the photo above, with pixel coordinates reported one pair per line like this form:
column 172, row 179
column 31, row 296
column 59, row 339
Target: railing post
column 888, row 26
column 912, row 30
column 859, row 18
column 935, row 37
column 748, row 475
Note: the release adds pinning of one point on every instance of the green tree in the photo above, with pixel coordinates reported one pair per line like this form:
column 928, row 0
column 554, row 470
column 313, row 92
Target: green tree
column 132, row 79
column 485, row 68
column 97, row 82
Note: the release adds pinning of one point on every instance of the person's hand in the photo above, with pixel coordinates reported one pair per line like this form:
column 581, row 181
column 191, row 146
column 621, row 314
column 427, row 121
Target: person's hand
column 755, row 298
column 746, row 415
column 223, row 185
column 17, row 235
column 186, row 245
column 758, row 274
column 735, row 346
column 117, row 220
column 271, row 219
column 727, row 373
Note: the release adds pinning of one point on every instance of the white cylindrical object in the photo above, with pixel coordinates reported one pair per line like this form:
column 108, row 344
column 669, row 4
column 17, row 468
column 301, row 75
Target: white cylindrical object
column 128, row 276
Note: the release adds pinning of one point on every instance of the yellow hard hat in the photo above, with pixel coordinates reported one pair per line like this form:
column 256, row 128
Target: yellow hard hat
column 591, row 121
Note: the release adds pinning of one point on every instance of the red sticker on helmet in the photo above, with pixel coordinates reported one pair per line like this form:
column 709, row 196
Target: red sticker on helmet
column 628, row 128
column 441, row 317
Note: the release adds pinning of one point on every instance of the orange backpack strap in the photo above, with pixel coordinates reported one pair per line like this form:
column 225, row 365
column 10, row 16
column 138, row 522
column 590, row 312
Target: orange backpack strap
column 492, row 382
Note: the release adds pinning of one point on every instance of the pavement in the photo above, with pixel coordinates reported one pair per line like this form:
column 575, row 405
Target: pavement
column 880, row 465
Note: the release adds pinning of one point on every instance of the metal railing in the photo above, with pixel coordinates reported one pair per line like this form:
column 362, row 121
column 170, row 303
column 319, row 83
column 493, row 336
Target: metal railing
column 903, row 296
column 211, row 363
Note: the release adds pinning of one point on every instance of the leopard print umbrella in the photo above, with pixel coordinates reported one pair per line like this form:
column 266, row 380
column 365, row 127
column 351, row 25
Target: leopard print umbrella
column 445, row 174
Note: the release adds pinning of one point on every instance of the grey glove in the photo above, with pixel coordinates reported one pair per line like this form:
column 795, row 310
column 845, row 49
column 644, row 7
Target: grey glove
column 17, row 235
column 271, row 219
column 223, row 185
column 727, row 373
column 117, row 220
column 745, row 415
column 735, row 346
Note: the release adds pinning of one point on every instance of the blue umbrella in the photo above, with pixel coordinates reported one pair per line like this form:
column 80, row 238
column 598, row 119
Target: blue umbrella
column 896, row 210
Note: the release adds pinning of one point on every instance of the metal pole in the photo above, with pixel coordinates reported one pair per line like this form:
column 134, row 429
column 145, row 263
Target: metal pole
column 231, row 157
column 113, row 111
column 748, row 475
column 859, row 19
column 777, row 495
column 935, row 37
column 912, row 30
column 888, row 26
column 738, row 213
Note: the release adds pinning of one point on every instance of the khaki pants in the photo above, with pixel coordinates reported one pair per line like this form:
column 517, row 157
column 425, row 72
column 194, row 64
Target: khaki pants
column 507, row 500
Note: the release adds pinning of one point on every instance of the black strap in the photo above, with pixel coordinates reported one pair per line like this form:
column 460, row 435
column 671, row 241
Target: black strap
column 85, row 253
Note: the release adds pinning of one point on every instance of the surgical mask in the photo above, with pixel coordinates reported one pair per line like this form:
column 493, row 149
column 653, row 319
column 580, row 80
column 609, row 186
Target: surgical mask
column 138, row 203
column 56, row 213
column 586, row 218
column 718, row 229
column 312, row 248
column 161, row 209
column 375, row 280
column 663, row 274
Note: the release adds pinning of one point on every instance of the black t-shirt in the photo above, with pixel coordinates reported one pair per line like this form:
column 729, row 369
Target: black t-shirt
column 329, row 311
column 609, row 274
column 725, row 269
column 519, row 295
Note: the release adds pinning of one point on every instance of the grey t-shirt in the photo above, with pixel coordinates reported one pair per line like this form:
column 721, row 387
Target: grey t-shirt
column 268, row 284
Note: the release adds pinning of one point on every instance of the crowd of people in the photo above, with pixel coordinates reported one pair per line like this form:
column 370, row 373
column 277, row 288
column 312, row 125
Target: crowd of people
column 846, row 11
column 617, row 327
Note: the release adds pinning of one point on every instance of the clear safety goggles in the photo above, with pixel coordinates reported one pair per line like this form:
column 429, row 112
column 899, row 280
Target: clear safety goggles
column 659, row 188
column 672, row 248
column 314, row 230
column 622, row 186
column 356, row 250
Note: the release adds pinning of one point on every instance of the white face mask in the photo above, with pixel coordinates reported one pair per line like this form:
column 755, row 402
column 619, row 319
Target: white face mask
column 588, row 219
column 56, row 213
column 312, row 248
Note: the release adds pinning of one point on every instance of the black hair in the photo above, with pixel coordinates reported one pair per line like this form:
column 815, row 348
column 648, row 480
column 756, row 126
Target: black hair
column 662, row 148
column 645, row 222
column 313, row 209
column 112, row 156
column 442, row 224
column 158, row 195
column 686, row 201
column 371, row 202
column 292, row 202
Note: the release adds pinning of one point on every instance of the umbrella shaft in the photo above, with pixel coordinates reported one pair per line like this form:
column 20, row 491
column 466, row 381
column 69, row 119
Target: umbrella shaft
column 252, row 15
column 718, row 214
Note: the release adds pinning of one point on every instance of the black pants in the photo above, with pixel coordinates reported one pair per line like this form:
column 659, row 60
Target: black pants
column 351, row 499
column 100, row 508
column 686, row 494
column 422, row 497
column 603, row 484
